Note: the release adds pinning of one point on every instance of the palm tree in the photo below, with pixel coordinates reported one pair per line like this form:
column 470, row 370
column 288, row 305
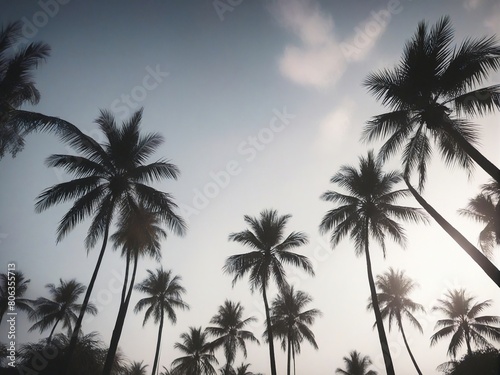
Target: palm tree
column 356, row 364
column 368, row 211
column 290, row 323
column 394, row 302
column 198, row 358
column 17, row 87
column 243, row 370
column 485, row 209
column 137, row 368
column 432, row 86
column 270, row 252
column 230, row 332
column 61, row 308
column 139, row 234
column 164, row 296
column 20, row 287
column 463, row 323
column 108, row 177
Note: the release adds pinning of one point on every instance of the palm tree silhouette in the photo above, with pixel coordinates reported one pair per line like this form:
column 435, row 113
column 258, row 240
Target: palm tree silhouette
column 20, row 287
column 270, row 252
column 368, row 211
column 198, row 358
column 395, row 304
column 17, row 87
column 463, row 323
column 108, row 177
column 164, row 296
column 229, row 331
column 432, row 86
column 243, row 370
column 356, row 364
column 61, row 308
column 290, row 323
column 136, row 368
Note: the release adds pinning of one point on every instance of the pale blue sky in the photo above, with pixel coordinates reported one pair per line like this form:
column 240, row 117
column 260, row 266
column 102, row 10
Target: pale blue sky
column 227, row 80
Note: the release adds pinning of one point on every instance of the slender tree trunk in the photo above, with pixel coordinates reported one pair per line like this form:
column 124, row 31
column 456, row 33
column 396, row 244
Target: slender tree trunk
column 293, row 359
column 480, row 259
column 467, row 341
column 158, row 343
column 270, row 337
column 289, row 359
column 125, row 279
column 400, row 323
column 477, row 156
column 78, row 324
column 53, row 329
column 120, row 321
column 378, row 316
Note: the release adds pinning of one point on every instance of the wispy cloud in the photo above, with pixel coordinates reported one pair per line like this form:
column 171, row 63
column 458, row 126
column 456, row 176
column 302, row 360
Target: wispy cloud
column 492, row 22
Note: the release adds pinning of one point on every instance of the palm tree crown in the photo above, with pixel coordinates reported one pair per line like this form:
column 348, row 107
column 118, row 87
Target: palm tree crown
column 356, row 364
column 463, row 323
column 21, row 286
column 198, row 358
column 433, row 84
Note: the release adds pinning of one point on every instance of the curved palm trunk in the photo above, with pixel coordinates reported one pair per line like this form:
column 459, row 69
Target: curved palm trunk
column 158, row 344
column 378, row 316
column 78, row 324
column 483, row 262
column 53, row 329
column 400, row 323
column 120, row 321
column 270, row 337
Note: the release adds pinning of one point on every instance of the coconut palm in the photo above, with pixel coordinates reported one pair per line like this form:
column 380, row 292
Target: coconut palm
column 17, row 87
column 20, row 287
column 229, row 331
column 198, row 358
column 243, row 370
column 136, row 368
column 270, row 252
column 368, row 211
column 395, row 303
column 463, row 323
column 61, row 308
column 434, row 84
column 164, row 296
column 108, row 177
column 291, row 324
column 356, row 364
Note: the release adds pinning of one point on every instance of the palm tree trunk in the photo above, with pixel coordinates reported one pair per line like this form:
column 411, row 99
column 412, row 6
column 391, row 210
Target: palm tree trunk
column 269, row 333
column 483, row 262
column 120, row 321
column 400, row 323
column 378, row 316
column 78, row 324
column 125, row 279
column 467, row 341
column 53, row 329
column 293, row 358
column 158, row 343
column 477, row 156
column 289, row 359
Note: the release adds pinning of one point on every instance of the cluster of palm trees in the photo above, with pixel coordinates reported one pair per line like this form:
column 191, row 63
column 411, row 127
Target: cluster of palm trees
column 431, row 96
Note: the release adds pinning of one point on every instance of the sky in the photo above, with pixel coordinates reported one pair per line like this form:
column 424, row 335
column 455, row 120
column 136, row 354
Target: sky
column 260, row 103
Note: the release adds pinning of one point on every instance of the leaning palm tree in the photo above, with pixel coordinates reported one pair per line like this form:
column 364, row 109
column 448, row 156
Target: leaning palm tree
column 198, row 358
column 108, row 177
column 356, row 364
column 291, row 324
column 229, row 331
column 463, row 323
column 20, row 287
column 395, row 303
column 61, row 308
column 164, row 296
column 369, row 211
column 17, row 88
column 270, row 252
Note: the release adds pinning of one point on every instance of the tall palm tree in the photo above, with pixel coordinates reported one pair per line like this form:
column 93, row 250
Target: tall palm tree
column 137, row 368
column 463, row 323
column 356, row 364
column 368, row 211
column 61, row 308
column 290, row 323
column 485, row 209
column 164, row 296
column 270, row 252
column 395, row 303
column 139, row 234
column 20, row 287
column 198, row 358
column 434, row 84
column 229, row 331
column 108, row 177
column 17, row 87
